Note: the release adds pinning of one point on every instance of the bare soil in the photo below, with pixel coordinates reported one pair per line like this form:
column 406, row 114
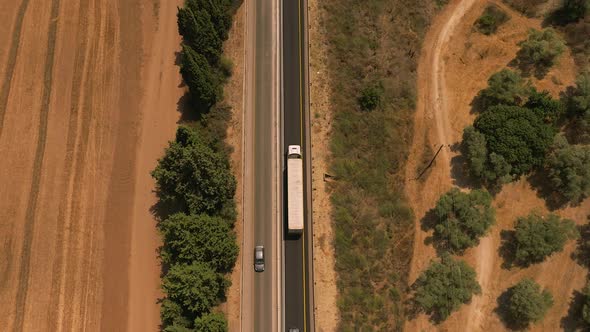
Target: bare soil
column 455, row 64
column 325, row 291
column 87, row 102
column 234, row 94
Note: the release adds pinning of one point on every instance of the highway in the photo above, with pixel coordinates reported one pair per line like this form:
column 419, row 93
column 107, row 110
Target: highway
column 260, row 291
column 298, row 295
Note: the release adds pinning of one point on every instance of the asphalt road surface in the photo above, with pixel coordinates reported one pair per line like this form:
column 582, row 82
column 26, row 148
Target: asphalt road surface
column 297, row 273
column 264, row 228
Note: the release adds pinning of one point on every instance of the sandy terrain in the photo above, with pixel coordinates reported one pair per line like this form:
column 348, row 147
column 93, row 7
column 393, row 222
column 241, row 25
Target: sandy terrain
column 234, row 91
column 325, row 291
column 455, row 64
column 81, row 88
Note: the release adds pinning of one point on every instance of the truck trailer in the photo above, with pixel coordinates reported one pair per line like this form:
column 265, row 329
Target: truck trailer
column 294, row 190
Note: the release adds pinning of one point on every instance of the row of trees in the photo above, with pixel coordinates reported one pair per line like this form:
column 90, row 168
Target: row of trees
column 194, row 182
column 204, row 25
column 196, row 188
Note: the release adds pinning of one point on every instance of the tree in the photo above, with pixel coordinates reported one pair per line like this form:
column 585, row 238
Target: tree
column 212, row 322
column 371, row 97
column 492, row 17
column 444, row 287
column 199, row 238
column 505, row 87
column 172, row 314
column 538, row 237
column 195, row 287
column 527, row 303
column 540, row 49
column 199, row 33
column 475, row 151
column 547, row 108
column 204, row 86
column 516, row 134
column 579, row 100
column 569, row 169
column 193, row 178
column 218, row 10
column 571, row 11
column 462, row 219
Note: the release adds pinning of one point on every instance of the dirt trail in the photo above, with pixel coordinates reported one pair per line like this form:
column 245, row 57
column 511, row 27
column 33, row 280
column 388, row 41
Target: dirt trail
column 455, row 65
column 74, row 169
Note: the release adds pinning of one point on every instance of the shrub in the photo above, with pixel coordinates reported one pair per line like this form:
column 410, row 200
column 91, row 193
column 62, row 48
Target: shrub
column 462, row 218
column 569, row 169
column 371, row 97
column 491, row 18
column 213, row 322
column 538, row 237
column 199, row 238
column 505, row 87
column 444, row 287
column 527, row 303
column 195, row 287
column 540, row 50
column 193, row 178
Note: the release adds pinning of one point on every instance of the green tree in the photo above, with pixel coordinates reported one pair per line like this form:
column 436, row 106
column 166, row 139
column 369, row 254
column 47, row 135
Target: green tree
column 444, row 287
column 196, row 287
column 462, row 219
column 475, row 151
column 569, row 169
column 527, row 303
column 540, row 49
column 193, row 178
column 571, row 11
column 212, row 322
column 199, row 33
column 579, row 100
column 172, row 314
column 219, row 12
column 204, row 86
column 549, row 109
column 516, row 134
column 491, row 19
column 199, row 238
column 505, row 87
column 370, row 97
column 538, row 237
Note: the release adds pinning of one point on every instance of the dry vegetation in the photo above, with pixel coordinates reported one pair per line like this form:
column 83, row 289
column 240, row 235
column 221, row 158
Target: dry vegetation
column 372, row 46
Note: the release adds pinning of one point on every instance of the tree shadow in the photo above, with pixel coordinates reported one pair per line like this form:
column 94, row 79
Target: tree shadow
column 502, row 305
column 582, row 253
column 478, row 104
column 507, row 249
column 460, row 173
column 542, row 185
column 572, row 322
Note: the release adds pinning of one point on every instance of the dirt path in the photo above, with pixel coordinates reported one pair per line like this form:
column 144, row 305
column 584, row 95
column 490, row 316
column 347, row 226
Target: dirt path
column 455, row 65
column 74, row 157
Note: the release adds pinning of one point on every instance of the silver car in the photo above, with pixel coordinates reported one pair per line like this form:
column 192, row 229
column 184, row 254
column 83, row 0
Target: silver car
column 259, row 258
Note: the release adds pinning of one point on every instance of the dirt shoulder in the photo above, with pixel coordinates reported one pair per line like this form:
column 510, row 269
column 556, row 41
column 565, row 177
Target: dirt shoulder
column 325, row 291
column 451, row 72
column 233, row 49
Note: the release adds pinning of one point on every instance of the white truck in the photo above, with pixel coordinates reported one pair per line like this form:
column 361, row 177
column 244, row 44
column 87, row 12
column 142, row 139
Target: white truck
column 294, row 190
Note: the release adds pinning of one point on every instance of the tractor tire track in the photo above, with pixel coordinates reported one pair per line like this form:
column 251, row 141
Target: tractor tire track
column 11, row 64
column 62, row 241
column 21, row 295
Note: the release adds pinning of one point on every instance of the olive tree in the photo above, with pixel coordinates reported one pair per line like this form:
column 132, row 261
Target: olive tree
column 444, row 287
column 462, row 218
